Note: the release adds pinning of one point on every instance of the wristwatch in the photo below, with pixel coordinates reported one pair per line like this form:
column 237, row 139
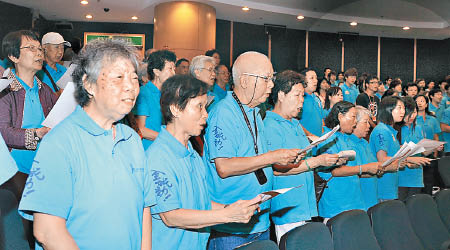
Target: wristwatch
column 36, row 137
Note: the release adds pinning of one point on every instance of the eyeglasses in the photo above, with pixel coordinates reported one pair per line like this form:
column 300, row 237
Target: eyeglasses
column 33, row 48
column 211, row 70
column 265, row 78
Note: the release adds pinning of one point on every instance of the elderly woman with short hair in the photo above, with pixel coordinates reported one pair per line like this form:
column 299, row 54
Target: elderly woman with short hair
column 184, row 210
column 25, row 103
column 204, row 69
column 89, row 182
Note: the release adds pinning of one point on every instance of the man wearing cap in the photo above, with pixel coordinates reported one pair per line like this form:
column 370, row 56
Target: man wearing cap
column 53, row 44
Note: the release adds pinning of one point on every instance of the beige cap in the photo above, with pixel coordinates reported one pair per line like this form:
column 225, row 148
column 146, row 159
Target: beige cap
column 54, row 38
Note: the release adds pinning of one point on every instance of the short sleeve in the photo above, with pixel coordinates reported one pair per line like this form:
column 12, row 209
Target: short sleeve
column 49, row 187
column 142, row 104
column 163, row 184
column 379, row 141
column 221, row 135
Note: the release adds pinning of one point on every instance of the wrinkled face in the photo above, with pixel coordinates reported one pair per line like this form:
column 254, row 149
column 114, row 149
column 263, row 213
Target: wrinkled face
column 311, row 81
column 412, row 91
column 398, row 112
column 207, row 73
column 216, row 57
column 362, row 127
column 193, row 118
column 31, row 55
column 373, row 85
column 347, row 121
column 166, row 72
column 116, row 89
column 292, row 102
column 53, row 53
column 421, row 103
column 223, row 75
column 351, row 79
column 182, row 69
column 336, row 98
column 410, row 118
column 437, row 98
column 259, row 87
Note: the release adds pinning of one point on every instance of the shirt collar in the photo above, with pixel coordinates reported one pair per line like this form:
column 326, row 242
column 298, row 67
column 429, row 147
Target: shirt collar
column 390, row 128
column 50, row 69
column 177, row 148
column 247, row 109
column 16, row 83
column 278, row 117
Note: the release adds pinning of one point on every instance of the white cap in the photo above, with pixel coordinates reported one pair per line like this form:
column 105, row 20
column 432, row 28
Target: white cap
column 54, row 38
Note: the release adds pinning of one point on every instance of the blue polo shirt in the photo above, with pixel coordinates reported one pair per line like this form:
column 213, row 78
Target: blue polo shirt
column 298, row 204
column 33, row 116
column 312, row 114
column 97, row 183
column 350, row 93
column 343, row 193
column 369, row 185
column 445, row 135
column 148, row 104
column 9, row 167
column 383, row 137
column 179, row 182
column 56, row 74
column 411, row 177
column 219, row 92
column 430, row 126
column 228, row 136
column 437, row 110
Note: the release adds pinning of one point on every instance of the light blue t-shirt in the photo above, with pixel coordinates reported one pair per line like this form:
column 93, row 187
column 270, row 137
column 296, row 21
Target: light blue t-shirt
column 56, row 74
column 312, row 114
column 430, row 126
column 411, row 177
column 350, row 93
column 179, row 182
column 33, row 116
column 445, row 135
column 298, row 204
column 369, row 185
column 445, row 100
column 8, row 167
column 147, row 104
column 383, row 137
column 343, row 193
column 437, row 110
column 97, row 183
column 378, row 95
column 228, row 136
column 219, row 92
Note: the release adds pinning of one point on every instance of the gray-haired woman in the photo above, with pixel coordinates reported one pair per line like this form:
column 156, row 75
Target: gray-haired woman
column 86, row 186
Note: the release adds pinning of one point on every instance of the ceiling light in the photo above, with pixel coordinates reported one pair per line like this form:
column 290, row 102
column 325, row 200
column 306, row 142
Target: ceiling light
column 299, row 17
column 406, row 28
column 245, row 8
column 134, row 17
column 353, row 23
column 84, row 2
column 89, row 16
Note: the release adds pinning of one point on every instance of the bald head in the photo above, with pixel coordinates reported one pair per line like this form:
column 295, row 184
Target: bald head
column 252, row 76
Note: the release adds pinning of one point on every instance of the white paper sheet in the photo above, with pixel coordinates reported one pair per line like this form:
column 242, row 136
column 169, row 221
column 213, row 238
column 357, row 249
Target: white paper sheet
column 271, row 194
column 65, row 105
column 66, row 78
column 428, row 144
column 321, row 139
column 347, row 154
column 408, row 149
column 4, row 83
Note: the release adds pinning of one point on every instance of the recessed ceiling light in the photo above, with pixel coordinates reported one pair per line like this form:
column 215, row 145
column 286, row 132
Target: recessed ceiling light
column 406, row 28
column 299, row 17
column 134, row 17
column 353, row 23
column 84, row 2
column 245, row 8
column 89, row 16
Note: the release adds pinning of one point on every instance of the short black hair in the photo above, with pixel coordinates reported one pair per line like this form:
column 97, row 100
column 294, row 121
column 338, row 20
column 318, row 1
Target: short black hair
column 410, row 107
column 158, row 59
column 284, row 82
column 412, row 84
column 180, row 61
column 434, row 91
column 12, row 41
column 427, row 100
column 331, row 92
column 394, row 83
column 211, row 52
column 178, row 90
column 341, row 107
column 385, row 109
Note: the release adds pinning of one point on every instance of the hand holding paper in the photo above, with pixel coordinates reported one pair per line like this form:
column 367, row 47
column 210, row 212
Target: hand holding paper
column 241, row 211
column 321, row 139
column 271, row 194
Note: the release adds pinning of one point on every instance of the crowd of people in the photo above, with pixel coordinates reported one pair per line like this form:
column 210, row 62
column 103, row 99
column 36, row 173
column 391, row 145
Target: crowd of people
column 166, row 153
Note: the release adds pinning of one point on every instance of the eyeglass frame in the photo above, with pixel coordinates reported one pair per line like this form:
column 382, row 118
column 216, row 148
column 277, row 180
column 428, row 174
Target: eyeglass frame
column 213, row 70
column 265, row 78
column 33, row 48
